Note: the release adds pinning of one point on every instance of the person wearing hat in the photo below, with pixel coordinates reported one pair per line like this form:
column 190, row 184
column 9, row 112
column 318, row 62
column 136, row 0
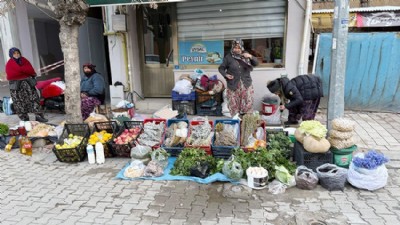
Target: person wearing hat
column 92, row 90
column 22, row 81
column 236, row 68
column 300, row 95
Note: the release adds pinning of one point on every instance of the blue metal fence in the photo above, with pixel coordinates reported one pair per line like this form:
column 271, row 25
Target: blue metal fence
column 372, row 70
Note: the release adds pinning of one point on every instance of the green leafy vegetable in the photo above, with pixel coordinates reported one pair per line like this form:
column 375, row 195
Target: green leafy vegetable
column 3, row 129
column 314, row 128
column 188, row 158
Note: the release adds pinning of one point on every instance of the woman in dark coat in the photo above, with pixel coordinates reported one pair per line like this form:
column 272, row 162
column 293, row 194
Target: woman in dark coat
column 303, row 92
column 92, row 90
column 21, row 77
column 236, row 69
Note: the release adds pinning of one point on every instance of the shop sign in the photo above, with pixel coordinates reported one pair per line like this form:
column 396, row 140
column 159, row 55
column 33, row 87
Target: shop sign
column 378, row 19
column 201, row 52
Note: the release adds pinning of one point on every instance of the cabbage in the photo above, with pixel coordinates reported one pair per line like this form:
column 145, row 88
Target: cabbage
column 314, row 128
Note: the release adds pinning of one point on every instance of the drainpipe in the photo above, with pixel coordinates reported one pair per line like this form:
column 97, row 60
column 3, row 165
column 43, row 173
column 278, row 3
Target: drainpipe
column 306, row 31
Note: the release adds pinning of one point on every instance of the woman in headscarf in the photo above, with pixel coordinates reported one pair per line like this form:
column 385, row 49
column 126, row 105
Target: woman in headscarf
column 92, row 90
column 236, row 68
column 21, row 77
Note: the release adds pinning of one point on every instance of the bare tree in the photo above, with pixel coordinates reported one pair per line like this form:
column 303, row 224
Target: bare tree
column 71, row 14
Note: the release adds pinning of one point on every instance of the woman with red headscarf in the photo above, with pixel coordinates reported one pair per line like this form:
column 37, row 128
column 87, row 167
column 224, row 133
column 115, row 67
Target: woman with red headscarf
column 21, row 77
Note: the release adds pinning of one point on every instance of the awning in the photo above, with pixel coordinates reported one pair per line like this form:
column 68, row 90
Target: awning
column 126, row 2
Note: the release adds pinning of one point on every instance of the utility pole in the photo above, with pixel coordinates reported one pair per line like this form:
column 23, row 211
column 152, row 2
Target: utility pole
column 338, row 63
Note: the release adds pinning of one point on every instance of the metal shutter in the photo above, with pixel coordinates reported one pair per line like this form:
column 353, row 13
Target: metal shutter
column 229, row 19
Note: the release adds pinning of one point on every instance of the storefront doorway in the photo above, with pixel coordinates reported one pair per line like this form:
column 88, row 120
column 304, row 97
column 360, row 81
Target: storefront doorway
column 155, row 33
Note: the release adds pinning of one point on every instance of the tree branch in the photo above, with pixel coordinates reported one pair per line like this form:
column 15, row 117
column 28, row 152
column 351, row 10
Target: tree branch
column 38, row 4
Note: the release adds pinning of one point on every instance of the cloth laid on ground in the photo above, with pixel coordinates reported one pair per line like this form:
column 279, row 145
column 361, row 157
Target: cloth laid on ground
column 167, row 176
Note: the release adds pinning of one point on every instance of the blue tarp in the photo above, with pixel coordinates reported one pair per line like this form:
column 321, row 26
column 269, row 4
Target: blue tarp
column 167, row 176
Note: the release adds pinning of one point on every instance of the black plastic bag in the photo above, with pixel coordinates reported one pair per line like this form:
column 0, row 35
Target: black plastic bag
column 201, row 169
column 332, row 177
column 305, row 178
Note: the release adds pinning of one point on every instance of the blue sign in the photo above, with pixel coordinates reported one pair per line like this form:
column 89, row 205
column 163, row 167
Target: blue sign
column 201, row 52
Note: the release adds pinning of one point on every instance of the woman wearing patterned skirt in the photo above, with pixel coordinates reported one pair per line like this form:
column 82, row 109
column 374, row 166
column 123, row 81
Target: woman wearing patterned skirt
column 236, row 68
column 21, row 77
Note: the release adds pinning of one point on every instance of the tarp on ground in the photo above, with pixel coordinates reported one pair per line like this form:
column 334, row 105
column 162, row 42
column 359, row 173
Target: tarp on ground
column 167, row 176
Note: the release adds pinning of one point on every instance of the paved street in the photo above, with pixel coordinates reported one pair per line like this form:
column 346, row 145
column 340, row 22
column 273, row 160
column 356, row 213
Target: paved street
column 41, row 190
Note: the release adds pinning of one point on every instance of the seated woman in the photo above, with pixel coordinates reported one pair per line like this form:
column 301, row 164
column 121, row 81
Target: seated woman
column 92, row 90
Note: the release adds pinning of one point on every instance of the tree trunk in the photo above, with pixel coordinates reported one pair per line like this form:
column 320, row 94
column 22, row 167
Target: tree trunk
column 69, row 45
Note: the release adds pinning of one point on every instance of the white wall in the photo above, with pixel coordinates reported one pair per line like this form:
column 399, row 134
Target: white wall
column 261, row 76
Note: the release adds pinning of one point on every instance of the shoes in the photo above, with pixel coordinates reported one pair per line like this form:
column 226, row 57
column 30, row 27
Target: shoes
column 288, row 123
column 24, row 117
column 41, row 119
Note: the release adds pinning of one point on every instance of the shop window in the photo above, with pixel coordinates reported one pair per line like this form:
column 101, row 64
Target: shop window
column 267, row 50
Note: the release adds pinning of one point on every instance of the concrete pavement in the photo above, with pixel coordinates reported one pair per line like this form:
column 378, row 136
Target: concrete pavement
column 41, row 190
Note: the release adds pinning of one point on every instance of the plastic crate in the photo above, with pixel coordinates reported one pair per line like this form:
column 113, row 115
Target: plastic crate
column 275, row 130
column 110, row 127
column 156, row 121
column 204, row 96
column 182, row 97
column 308, row 159
column 174, row 151
column 225, row 151
column 188, row 107
column 124, row 150
column 206, row 111
column 206, row 148
column 78, row 153
column 261, row 124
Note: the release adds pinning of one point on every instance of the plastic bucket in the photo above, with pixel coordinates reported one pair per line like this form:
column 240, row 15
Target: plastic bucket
column 268, row 109
column 257, row 180
column 342, row 157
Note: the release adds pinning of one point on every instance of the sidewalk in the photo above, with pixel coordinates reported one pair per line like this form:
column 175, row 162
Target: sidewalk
column 41, row 190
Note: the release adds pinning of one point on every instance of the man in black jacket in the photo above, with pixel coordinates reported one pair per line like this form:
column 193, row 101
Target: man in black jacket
column 303, row 92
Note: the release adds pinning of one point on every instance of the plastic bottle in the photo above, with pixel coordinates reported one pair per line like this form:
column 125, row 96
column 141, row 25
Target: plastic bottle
column 100, row 159
column 27, row 145
column 90, row 152
column 11, row 143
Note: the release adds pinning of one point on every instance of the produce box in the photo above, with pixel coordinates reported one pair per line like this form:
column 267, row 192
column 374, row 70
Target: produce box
column 174, row 151
column 308, row 159
column 225, row 151
column 156, row 121
column 209, row 111
column 206, row 148
column 77, row 151
column 188, row 107
column 121, row 145
column 204, row 96
column 261, row 124
column 182, row 97
column 110, row 127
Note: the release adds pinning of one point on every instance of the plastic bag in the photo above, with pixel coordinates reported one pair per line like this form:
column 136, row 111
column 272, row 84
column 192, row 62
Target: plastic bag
column 371, row 180
column 183, row 86
column 153, row 169
column 160, row 156
column 276, row 187
column 201, row 169
column 305, row 178
column 135, row 169
column 332, row 177
column 140, row 152
column 232, row 169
